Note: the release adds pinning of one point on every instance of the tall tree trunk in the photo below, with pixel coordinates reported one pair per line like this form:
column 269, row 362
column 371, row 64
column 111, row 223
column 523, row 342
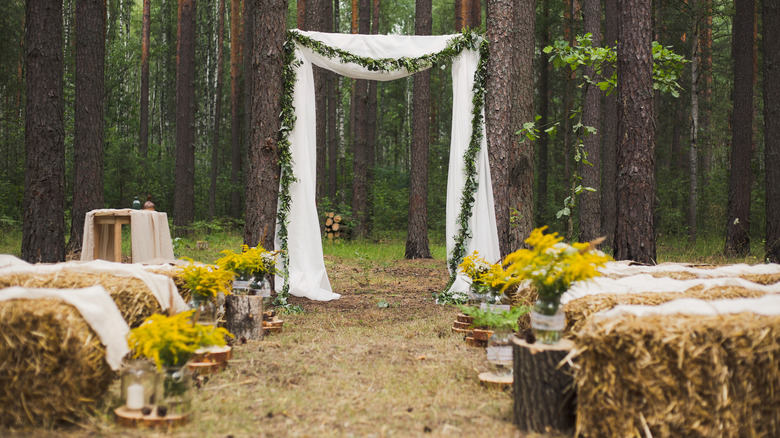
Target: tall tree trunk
column 634, row 234
column 264, row 78
column 184, row 189
column 609, row 136
column 88, row 115
column 738, row 227
column 568, row 106
column 417, row 232
column 360, row 138
column 43, row 230
column 543, row 142
column 475, row 15
column 771, row 35
column 217, row 109
column 371, row 131
column 145, row 32
column 693, row 150
column 590, row 202
column 247, row 50
column 331, row 85
column 236, row 40
column 521, row 155
column 498, row 111
column 318, row 18
column 460, row 23
column 300, row 17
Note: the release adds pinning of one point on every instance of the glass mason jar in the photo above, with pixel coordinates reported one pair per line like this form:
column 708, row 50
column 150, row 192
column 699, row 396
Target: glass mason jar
column 548, row 319
column 138, row 381
column 499, row 351
column 241, row 283
column 477, row 296
column 205, row 310
column 173, row 391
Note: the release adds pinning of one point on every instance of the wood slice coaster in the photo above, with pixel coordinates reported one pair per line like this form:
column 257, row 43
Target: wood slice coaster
column 273, row 323
column 482, row 335
column 461, row 331
column 204, row 368
column 461, row 325
column 462, row 317
column 134, row 418
column 213, row 354
column 475, row 342
column 269, row 315
column 493, row 381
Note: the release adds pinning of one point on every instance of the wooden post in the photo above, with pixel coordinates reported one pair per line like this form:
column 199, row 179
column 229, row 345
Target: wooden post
column 244, row 316
column 543, row 392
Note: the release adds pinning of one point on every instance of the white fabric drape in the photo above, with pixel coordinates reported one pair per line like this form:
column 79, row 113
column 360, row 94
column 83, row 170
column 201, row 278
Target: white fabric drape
column 307, row 275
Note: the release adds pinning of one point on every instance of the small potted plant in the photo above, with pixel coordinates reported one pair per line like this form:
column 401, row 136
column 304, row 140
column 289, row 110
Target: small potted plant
column 204, row 284
column 253, row 266
column 552, row 266
column 487, row 279
column 496, row 328
column 170, row 341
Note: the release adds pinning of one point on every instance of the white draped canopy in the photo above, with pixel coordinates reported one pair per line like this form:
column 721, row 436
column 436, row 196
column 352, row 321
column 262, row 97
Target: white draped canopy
column 306, row 268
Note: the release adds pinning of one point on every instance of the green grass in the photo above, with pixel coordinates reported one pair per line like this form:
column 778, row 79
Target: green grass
column 11, row 240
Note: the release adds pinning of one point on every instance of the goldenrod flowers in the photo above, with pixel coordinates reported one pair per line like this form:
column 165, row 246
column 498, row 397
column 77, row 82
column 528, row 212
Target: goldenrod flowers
column 551, row 265
column 171, row 340
column 206, row 281
column 255, row 261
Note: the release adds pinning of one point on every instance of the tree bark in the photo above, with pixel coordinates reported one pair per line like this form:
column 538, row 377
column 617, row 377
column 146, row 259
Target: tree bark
column 217, row 110
column 634, row 235
column 693, row 149
column 88, row 115
column 498, row 110
column 771, row 35
column 360, row 138
column 417, row 232
column 543, row 142
column 738, row 226
column 184, row 189
column 244, row 316
column 235, row 107
column 315, row 11
column 590, row 202
column 609, row 137
column 543, row 391
column 43, row 230
column 145, row 31
column 521, row 156
column 331, row 85
column 266, row 83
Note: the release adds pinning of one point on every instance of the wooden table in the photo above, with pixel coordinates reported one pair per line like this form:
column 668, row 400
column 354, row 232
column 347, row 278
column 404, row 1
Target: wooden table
column 117, row 219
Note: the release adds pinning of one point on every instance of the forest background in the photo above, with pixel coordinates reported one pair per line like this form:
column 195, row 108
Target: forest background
column 693, row 141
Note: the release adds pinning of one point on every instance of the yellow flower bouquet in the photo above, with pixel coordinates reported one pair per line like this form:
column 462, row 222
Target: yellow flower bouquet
column 254, row 262
column 552, row 267
column 488, row 280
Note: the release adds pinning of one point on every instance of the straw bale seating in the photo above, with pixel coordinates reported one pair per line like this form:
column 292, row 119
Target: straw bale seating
column 684, row 368
column 137, row 293
column 56, row 363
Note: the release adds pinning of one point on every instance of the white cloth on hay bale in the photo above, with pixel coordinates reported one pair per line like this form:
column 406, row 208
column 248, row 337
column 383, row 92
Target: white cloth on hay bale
column 97, row 308
column 161, row 286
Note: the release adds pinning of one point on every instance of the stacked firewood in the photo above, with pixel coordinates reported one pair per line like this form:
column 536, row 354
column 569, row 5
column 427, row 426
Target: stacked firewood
column 335, row 227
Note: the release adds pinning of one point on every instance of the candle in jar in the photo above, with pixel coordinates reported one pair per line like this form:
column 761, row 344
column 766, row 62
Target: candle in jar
column 135, row 396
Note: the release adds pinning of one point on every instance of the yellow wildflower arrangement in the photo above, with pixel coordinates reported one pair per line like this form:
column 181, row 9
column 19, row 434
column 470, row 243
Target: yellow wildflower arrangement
column 551, row 265
column 483, row 274
column 205, row 281
column 171, row 340
column 254, row 261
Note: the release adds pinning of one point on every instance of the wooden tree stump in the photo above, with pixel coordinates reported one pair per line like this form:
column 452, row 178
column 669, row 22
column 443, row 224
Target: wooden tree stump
column 543, row 393
column 244, row 316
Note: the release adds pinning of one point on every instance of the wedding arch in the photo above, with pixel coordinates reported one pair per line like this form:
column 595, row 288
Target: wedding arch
column 470, row 214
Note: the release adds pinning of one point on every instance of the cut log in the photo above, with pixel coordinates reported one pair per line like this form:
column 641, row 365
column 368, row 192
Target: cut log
column 337, row 234
column 244, row 316
column 543, row 393
column 330, row 236
column 335, row 227
column 328, row 222
column 331, row 214
column 337, row 218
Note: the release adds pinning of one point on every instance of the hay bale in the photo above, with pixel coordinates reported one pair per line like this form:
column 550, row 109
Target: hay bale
column 52, row 364
column 175, row 275
column 679, row 375
column 579, row 311
column 131, row 295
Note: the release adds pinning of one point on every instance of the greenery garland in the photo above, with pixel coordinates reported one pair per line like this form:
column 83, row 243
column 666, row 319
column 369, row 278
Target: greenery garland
column 467, row 40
